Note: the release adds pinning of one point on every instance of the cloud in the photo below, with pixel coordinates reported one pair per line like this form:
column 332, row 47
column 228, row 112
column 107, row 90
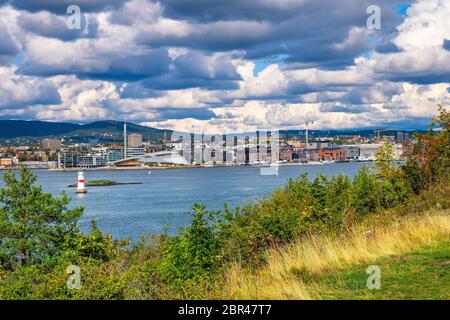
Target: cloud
column 311, row 32
column 52, row 26
column 82, row 59
column 20, row 91
column 214, row 10
column 422, row 40
column 60, row 6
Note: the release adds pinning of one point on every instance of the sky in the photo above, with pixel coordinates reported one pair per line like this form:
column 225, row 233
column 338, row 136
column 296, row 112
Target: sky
column 226, row 65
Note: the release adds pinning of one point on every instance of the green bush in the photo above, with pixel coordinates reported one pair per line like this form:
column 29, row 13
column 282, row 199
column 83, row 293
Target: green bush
column 193, row 255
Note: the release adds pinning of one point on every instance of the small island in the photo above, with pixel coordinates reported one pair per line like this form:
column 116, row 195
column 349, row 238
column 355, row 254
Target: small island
column 103, row 183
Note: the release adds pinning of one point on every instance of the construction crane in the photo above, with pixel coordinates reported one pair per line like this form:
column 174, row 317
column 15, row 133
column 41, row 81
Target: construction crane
column 381, row 130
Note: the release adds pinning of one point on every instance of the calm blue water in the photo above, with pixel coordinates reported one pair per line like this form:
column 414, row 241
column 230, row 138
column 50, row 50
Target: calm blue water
column 166, row 196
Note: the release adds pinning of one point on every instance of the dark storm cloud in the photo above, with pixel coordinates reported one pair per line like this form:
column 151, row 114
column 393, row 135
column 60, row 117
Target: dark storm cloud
column 419, row 78
column 60, row 6
column 124, row 68
column 136, row 90
column 53, row 26
column 131, row 68
column 312, row 32
column 214, row 10
column 218, row 36
column 388, row 47
column 172, row 82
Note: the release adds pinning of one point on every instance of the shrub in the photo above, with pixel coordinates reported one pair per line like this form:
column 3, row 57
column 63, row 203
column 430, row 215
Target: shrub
column 193, row 254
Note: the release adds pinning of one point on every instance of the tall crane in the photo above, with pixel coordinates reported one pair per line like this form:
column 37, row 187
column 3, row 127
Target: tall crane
column 378, row 132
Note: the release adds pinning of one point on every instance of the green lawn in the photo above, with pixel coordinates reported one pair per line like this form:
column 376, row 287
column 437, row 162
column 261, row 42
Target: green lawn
column 424, row 274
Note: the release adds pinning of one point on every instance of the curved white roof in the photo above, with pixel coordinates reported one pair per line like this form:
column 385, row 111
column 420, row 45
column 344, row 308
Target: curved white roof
column 166, row 157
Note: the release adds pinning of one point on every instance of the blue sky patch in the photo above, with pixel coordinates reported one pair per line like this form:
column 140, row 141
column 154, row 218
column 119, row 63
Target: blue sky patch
column 402, row 9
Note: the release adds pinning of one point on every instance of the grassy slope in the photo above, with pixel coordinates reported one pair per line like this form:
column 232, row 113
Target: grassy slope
column 422, row 274
column 412, row 254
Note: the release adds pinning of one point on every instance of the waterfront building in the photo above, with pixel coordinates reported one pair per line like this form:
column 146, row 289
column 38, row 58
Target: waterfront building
column 92, row 161
column 335, row 154
column 313, row 155
column 353, row 151
column 286, row 154
column 68, row 159
column 300, row 154
column 114, row 154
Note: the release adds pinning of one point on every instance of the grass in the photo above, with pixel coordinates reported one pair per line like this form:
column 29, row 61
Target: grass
column 323, row 268
column 422, row 274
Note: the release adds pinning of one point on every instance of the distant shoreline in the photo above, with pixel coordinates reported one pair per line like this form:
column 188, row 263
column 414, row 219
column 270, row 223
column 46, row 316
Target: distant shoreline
column 181, row 167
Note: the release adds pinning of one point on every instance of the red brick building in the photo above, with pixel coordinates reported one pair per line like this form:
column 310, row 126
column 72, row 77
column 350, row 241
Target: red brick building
column 333, row 154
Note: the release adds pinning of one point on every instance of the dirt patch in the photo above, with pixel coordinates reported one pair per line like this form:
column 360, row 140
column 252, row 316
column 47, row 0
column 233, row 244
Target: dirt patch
column 444, row 263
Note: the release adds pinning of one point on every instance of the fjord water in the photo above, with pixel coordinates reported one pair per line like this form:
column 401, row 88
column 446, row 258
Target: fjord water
column 166, row 196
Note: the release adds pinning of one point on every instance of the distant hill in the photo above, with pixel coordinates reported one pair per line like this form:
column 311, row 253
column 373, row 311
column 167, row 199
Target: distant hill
column 368, row 133
column 114, row 129
column 19, row 128
column 111, row 130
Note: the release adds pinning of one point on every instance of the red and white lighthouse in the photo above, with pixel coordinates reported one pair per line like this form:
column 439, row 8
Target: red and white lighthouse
column 81, row 187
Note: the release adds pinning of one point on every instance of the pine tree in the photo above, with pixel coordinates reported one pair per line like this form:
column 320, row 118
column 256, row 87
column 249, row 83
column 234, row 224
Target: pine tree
column 33, row 224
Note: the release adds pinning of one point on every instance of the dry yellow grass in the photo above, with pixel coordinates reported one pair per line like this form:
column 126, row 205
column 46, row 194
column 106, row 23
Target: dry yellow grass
column 310, row 257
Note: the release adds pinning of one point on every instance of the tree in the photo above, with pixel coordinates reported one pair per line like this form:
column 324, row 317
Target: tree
column 385, row 160
column 429, row 159
column 192, row 254
column 33, row 224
